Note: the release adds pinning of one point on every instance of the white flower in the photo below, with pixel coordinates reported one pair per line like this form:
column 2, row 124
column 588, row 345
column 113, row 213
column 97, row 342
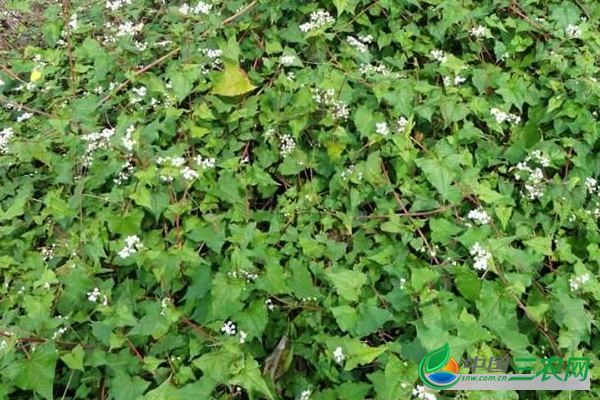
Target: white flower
column 357, row 44
column 305, row 395
column 59, row 333
column 287, row 60
column 205, row 163
column 338, row 355
column 139, row 94
column 1, row 82
column 328, row 99
column 502, row 116
column 24, row 117
column 3, row 345
column 286, row 145
column 402, row 122
column 128, row 143
column 402, row 283
column 420, row 393
column 575, row 283
column 188, row 174
column 591, row 184
column 164, row 304
column 350, row 171
column 95, row 141
column 477, row 31
column 243, row 336
column 540, row 157
column 228, row 328
column 382, row 128
column 132, row 245
column 479, row 216
column 270, row 305
column 116, row 4
column 573, row 31
column 127, row 29
column 214, row 55
column 369, row 69
column 439, row 56
column 318, row 19
column 480, row 256
column 126, row 171
column 200, row 8
column 5, row 135
column 93, row 295
column 73, row 22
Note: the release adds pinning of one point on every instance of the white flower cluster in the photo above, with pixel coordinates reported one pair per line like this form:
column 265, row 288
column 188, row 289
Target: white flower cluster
column 573, row 31
column 205, row 163
column 287, row 60
column 73, row 22
column 327, row 98
column 5, row 135
column 591, row 184
column 439, row 56
column 127, row 168
column 350, row 171
column 286, row 145
column 48, row 252
column 456, row 81
column 24, row 117
column 402, row 122
column 132, row 245
column 382, row 128
column 479, row 216
column 247, row 275
column 338, row 355
column 228, row 328
column 575, row 283
column 127, row 141
column 501, row 116
column 318, row 19
column 534, row 184
column 126, row 171
column 200, row 8
column 96, row 295
column 477, row 31
column 269, row 304
column 480, row 256
column 420, row 393
column 116, row 4
column 370, row 69
column 305, row 395
column 95, row 141
column 127, row 28
column 139, row 93
column 360, row 44
column 59, row 332
column 186, row 172
column 215, row 59
column 164, row 304
column 402, row 283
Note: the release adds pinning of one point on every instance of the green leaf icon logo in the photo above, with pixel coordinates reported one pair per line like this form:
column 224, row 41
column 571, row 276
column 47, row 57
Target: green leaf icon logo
column 437, row 358
column 432, row 361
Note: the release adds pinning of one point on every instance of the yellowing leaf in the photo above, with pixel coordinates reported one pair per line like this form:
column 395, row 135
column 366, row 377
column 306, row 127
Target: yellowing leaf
column 35, row 75
column 233, row 81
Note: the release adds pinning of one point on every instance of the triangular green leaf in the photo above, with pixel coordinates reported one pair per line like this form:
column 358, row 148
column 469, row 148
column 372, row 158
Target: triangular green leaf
column 233, row 81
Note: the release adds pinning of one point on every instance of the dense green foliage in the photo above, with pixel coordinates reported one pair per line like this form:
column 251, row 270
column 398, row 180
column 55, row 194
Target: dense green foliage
column 294, row 200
